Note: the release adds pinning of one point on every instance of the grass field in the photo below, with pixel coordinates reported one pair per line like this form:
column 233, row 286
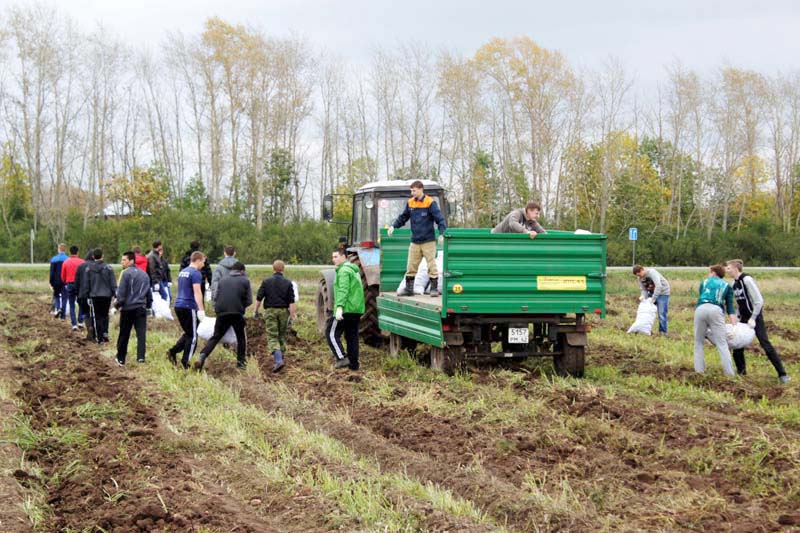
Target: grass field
column 641, row 443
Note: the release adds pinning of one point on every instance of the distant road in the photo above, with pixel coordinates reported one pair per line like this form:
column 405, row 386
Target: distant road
column 45, row 265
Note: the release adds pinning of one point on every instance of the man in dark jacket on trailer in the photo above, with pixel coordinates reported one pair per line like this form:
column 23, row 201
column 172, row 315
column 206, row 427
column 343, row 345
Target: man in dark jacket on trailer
column 277, row 293
column 422, row 211
column 234, row 296
column 102, row 286
column 194, row 246
column 134, row 300
column 750, row 308
column 82, row 291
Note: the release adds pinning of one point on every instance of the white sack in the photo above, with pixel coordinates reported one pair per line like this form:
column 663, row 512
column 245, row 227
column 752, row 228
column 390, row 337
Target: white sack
column 296, row 292
column 743, row 335
column 422, row 278
column 205, row 330
column 645, row 317
column 161, row 307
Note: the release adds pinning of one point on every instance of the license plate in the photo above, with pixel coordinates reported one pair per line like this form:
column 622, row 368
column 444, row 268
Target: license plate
column 518, row 335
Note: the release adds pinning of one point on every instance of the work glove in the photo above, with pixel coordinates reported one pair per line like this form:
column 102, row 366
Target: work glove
column 201, row 315
column 641, row 298
column 752, row 323
column 149, row 311
column 169, row 284
column 730, row 335
column 390, row 230
column 339, row 313
column 156, row 287
column 441, row 240
column 113, row 311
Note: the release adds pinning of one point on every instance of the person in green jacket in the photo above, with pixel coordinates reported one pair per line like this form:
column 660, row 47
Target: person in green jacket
column 716, row 298
column 348, row 305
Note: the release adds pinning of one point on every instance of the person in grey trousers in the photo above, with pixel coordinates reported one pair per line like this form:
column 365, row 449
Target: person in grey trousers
column 654, row 285
column 715, row 299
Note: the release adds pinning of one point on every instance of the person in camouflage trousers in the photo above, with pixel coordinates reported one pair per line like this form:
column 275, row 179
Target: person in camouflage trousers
column 277, row 293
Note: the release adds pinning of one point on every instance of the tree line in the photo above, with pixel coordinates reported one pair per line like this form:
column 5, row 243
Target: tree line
column 236, row 123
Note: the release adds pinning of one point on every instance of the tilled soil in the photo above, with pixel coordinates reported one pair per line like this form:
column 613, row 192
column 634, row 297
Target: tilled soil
column 619, row 444
column 103, row 459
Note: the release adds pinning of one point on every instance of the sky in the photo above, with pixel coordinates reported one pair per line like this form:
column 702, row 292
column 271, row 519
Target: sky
column 645, row 35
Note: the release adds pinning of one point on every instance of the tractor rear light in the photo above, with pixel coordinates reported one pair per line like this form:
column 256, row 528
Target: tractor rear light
column 446, row 327
column 597, row 311
column 367, row 244
column 450, row 311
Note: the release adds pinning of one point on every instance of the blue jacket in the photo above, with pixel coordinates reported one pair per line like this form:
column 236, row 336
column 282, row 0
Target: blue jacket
column 55, row 269
column 422, row 213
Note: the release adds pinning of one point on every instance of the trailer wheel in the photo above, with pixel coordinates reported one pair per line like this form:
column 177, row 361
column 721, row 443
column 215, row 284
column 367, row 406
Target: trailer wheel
column 395, row 344
column 448, row 359
column 323, row 306
column 571, row 360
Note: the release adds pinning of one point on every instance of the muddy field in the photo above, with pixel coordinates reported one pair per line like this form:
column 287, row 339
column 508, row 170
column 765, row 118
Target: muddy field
column 642, row 443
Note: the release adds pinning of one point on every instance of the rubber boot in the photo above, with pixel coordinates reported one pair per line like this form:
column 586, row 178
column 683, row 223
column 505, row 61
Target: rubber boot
column 408, row 290
column 435, row 287
column 278, row 355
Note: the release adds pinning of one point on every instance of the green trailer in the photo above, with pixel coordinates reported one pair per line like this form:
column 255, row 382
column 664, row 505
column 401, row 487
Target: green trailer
column 503, row 296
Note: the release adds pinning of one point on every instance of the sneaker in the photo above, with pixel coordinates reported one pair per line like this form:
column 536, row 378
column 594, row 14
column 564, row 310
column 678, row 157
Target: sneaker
column 74, row 328
column 120, row 363
column 140, row 360
column 172, row 358
column 200, row 363
column 241, row 366
column 784, row 379
column 80, row 325
column 342, row 363
column 278, row 367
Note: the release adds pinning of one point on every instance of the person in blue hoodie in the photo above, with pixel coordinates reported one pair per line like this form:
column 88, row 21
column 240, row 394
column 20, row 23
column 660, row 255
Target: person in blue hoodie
column 59, row 302
column 714, row 301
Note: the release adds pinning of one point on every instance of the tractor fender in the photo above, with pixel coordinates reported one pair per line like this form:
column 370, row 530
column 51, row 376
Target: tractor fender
column 370, row 259
column 329, row 275
column 577, row 339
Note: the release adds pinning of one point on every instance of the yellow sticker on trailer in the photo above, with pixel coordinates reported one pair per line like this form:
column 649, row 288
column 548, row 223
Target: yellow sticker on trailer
column 561, row 283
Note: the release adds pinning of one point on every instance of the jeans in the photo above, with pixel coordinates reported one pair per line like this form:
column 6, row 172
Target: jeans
column 163, row 291
column 662, row 303
column 69, row 289
column 59, row 302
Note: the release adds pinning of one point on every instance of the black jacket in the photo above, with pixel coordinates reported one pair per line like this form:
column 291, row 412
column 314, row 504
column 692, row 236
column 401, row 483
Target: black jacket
column 81, row 284
column 155, row 267
column 234, row 294
column 100, row 280
column 205, row 271
column 276, row 291
column 134, row 290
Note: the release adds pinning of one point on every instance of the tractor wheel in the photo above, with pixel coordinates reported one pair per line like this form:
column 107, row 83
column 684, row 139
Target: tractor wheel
column 368, row 328
column 323, row 306
column 571, row 360
column 448, row 359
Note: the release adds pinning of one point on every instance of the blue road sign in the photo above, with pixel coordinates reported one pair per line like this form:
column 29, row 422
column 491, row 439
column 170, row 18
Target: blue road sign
column 633, row 234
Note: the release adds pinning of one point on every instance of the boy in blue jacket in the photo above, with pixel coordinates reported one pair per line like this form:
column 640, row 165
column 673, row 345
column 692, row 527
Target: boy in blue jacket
column 422, row 211
column 56, row 262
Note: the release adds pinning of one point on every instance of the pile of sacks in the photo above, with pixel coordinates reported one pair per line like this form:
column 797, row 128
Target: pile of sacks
column 422, row 280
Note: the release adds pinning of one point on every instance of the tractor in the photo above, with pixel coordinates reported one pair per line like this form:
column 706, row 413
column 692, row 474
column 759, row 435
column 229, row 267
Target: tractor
column 374, row 206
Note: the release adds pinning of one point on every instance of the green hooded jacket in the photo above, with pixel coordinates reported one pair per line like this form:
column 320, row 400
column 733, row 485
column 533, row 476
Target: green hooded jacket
column 347, row 290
